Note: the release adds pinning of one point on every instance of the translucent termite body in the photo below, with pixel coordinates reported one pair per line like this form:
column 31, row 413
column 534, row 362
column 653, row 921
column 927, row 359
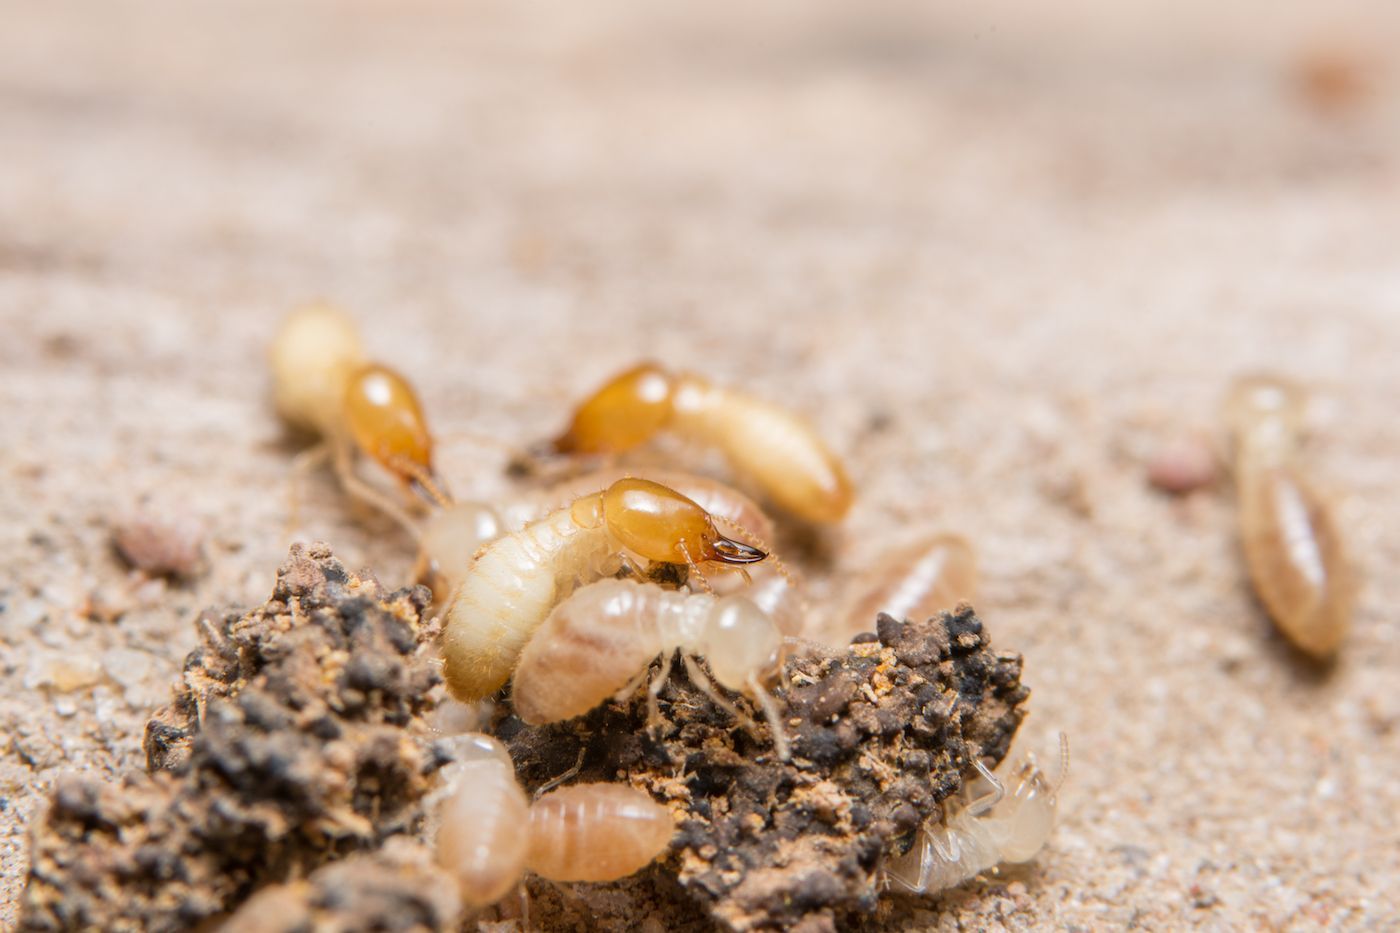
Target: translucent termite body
column 479, row 838
column 324, row 383
column 980, row 831
column 489, row 833
column 449, row 541
column 596, row 832
column 516, row 580
column 917, row 582
column 597, row 642
column 1292, row 545
column 774, row 448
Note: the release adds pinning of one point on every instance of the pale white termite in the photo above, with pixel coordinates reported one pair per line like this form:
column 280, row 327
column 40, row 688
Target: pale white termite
column 598, row 642
column 489, row 833
column 515, row 581
column 978, row 833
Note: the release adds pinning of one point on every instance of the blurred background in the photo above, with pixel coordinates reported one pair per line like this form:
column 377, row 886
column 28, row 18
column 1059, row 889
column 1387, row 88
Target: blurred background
column 999, row 253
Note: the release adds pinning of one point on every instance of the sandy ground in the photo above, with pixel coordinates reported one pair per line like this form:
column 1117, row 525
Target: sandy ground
column 996, row 256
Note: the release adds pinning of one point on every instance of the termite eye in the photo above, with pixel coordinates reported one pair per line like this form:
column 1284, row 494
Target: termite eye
column 622, row 414
column 386, row 421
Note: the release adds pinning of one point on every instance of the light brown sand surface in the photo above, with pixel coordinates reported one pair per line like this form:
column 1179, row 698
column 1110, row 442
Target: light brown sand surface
column 997, row 252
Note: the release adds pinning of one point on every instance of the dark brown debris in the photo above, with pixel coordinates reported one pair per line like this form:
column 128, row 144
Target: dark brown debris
column 295, row 737
column 289, row 777
column 881, row 733
column 397, row 889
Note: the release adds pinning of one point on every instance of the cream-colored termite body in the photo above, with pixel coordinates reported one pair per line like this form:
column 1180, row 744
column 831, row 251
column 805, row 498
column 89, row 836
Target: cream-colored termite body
column 771, row 446
column 516, row 580
column 979, row 833
column 1292, row 545
column 489, row 833
column 595, row 643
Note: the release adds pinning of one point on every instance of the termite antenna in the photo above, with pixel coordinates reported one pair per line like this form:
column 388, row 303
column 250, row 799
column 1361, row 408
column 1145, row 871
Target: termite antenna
column 771, row 713
column 302, row 463
column 1064, row 765
column 555, row 781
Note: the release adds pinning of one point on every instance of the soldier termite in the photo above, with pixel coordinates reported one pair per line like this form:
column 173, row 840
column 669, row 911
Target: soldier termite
column 324, row 383
column 981, row 832
column 489, row 833
column 595, row 643
column 1291, row 542
column 453, row 536
column 516, row 580
column 777, row 450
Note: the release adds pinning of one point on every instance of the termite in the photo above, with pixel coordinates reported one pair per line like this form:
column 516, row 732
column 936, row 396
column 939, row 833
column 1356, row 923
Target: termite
column 451, row 538
column 1291, row 542
column 917, row 582
column 489, row 833
column 324, row 383
column 979, row 833
column 516, row 580
column 774, row 448
column 595, row 643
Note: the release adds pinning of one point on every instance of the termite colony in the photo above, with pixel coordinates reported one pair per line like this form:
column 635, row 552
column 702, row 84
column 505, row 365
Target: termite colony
column 586, row 592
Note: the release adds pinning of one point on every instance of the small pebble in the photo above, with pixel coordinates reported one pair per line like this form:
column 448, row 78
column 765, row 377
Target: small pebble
column 160, row 544
column 1183, row 465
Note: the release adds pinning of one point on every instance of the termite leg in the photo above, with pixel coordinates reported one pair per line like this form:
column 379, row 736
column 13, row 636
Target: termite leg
column 770, row 713
column 696, row 571
column 654, row 689
column 630, row 687
column 302, row 463
column 367, row 494
column 986, row 801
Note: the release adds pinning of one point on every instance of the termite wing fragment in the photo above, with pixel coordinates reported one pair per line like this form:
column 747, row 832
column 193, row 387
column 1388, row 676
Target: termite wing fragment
column 882, row 732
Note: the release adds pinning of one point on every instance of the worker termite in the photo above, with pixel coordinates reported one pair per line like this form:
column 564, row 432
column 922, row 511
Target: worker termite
column 489, row 833
column 917, row 582
column 1291, row 543
column 594, row 643
column 980, row 831
column 763, row 442
column 324, row 383
column 516, row 580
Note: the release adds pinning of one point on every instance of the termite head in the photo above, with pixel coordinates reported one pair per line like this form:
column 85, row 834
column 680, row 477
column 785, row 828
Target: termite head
column 660, row 524
column 385, row 419
column 1264, row 401
column 625, row 412
column 742, row 643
